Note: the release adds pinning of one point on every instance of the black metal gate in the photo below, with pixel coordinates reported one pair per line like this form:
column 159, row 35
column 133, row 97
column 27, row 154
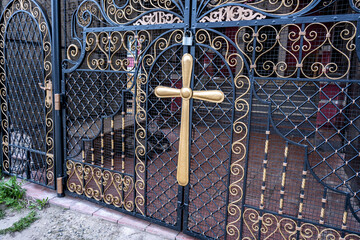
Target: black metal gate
column 225, row 119
column 26, row 93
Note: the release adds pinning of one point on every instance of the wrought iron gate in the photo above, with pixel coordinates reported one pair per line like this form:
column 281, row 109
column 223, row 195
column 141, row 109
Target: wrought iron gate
column 225, row 119
column 26, row 93
column 274, row 157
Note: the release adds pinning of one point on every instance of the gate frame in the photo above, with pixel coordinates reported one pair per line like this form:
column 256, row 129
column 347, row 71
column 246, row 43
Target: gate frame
column 58, row 95
column 190, row 23
column 48, row 68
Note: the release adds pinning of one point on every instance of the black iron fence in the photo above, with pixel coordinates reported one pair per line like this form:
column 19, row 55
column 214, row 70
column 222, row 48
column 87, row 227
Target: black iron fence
column 222, row 119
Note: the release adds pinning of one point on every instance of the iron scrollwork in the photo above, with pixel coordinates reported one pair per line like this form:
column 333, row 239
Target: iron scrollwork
column 102, row 185
column 312, row 42
column 356, row 4
column 269, row 7
column 232, row 13
column 132, row 9
column 272, row 226
column 242, row 85
column 158, row 18
column 102, row 50
column 132, row 12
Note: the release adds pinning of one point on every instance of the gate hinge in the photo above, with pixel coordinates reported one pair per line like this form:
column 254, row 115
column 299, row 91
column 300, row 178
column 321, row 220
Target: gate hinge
column 57, row 97
column 59, row 186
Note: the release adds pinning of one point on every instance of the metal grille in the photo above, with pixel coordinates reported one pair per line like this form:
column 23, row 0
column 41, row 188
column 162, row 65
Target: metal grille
column 93, row 95
column 163, row 124
column 211, row 146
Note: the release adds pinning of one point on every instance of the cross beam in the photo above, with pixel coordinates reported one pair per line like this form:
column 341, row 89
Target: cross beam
column 186, row 93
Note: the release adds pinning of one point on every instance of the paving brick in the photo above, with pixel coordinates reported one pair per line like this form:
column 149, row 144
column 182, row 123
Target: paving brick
column 25, row 183
column 65, row 202
column 39, row 192
column 183, row 236
column 22, row 181
column 32, row 186
column 109, row 214
column 133, row 222
column 85, row 207
column 162, row 231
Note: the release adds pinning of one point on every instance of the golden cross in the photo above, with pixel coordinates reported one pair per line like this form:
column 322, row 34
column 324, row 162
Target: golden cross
column 186, row 93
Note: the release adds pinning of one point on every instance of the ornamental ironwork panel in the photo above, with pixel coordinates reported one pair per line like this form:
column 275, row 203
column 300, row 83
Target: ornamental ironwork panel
column 26, row 87
column 277, row 158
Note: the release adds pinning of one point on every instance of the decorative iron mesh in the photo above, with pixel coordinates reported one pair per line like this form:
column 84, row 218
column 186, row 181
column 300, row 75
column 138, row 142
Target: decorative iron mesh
column 27, row 121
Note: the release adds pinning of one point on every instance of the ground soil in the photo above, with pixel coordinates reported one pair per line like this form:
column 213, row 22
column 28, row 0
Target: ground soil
column 63, row 224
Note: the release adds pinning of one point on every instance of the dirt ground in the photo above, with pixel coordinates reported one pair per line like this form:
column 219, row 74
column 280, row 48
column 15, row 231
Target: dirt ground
column 63, row 224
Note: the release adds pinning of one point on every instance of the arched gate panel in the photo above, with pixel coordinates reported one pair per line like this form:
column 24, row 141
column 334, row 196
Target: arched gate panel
column 26, row 93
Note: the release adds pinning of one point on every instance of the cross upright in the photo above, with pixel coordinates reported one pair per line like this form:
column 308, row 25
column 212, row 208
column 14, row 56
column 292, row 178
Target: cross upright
column 186, row 93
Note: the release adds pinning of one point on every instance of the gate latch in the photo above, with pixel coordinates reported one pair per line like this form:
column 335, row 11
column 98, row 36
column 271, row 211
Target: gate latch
column 48, row 89
column 188, row 38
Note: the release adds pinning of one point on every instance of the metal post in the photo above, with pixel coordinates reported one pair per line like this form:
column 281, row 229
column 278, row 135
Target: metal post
column 1, row 132
column 56, row 62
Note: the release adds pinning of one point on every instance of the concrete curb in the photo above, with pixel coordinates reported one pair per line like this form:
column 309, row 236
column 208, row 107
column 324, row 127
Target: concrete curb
column 38, row 192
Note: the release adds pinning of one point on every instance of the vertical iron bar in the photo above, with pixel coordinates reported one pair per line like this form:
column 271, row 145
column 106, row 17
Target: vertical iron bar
column 302, row 194
column 112, row 143
column 63, row 113
column 64, row 24
column 283, row 179
column 265, row 166
column 1, row 118
column 323, row 205
column 123, row 113
column 301, row 50
column 134, row 102
column 345, row 215
column 9, row 154
column 184, row 192
column 123, row 135
column 146, row 144
column 134, row 113
column 251, row 73
column 83, row 152
column 28, row 175
column 228, row 181
column 56, row 63
column 83, row 166
column 102, row 151
column 92, row 153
